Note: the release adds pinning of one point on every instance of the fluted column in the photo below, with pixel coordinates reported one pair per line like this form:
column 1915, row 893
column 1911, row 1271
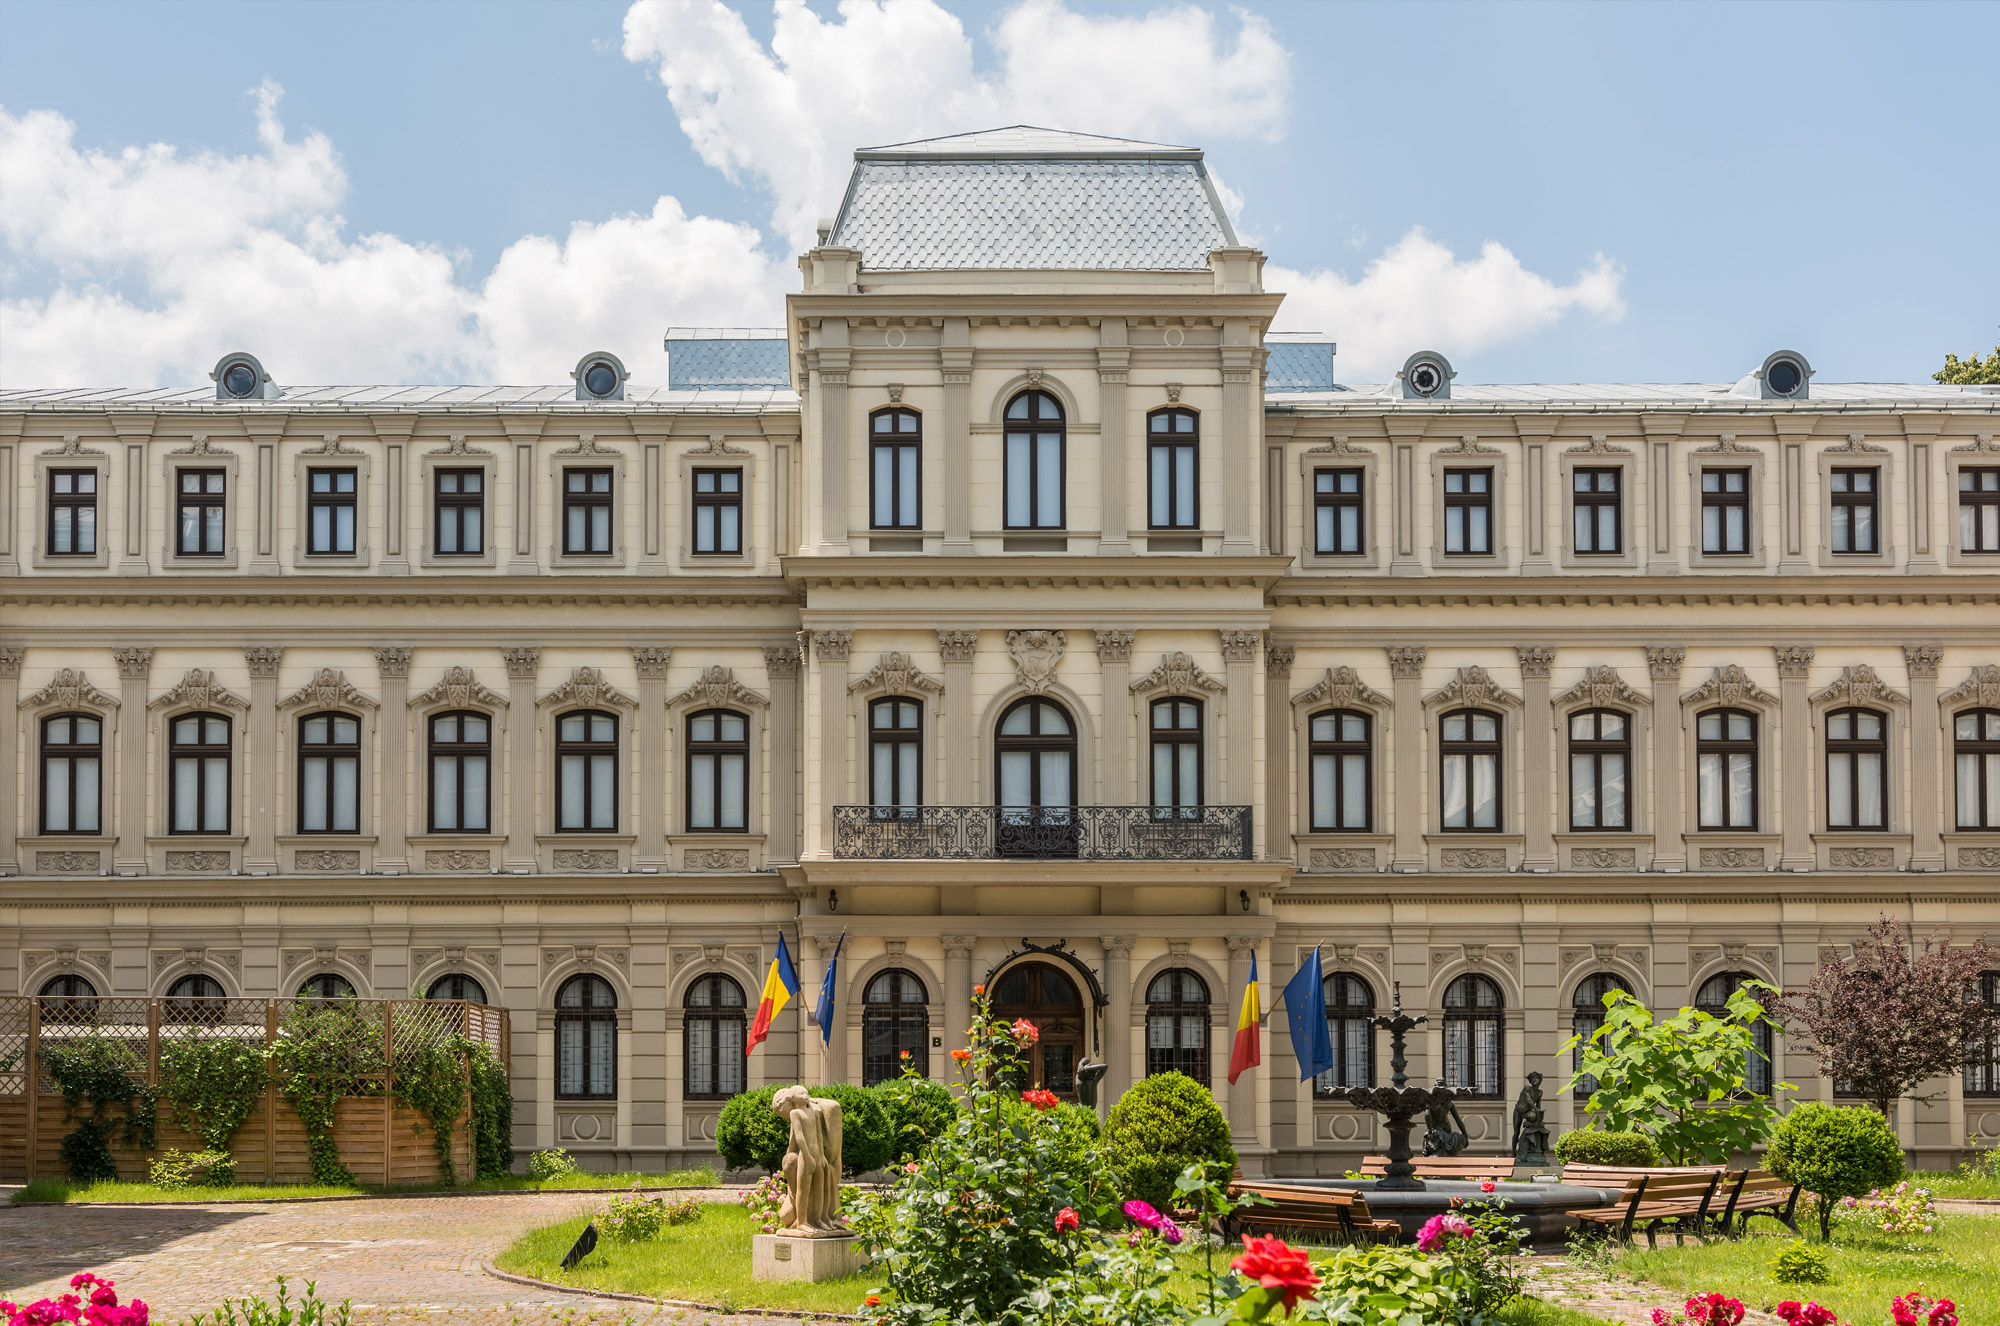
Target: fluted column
column 1113, row 468
column 260, row 760
column 392, row 825
column 135, row 665
column 781, row 665
column 1114, row 666
column 649, row 735
column 1117, row 1017
column 1926, row 766
column 1537, row 794
column 957, row 1003
column 1795, row 741
column 1669, row 823
column 1406, row 667
column 1239, row 664
column 954, row 447
column 830, row 651
column 1277, row 806
column 10, row 742
column 522, row 662
column 956, row 753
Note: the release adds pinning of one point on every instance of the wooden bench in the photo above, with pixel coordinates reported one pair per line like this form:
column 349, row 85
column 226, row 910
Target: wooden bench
column 1758, row 1192
column 1475, row 1168
column 1680, row 1197
column 1340, row 1211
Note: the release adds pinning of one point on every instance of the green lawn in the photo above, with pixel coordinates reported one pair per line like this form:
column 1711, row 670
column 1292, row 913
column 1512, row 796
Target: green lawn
column 1960, row 1262
column 62, row 1190
column 1956, row 1183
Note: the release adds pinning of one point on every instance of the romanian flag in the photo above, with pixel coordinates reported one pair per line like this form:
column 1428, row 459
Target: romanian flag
column 1248, row 1051
column 780, row 984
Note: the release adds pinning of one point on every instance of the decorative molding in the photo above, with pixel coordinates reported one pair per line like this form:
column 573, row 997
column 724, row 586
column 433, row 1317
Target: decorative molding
column 134, row 663
column 1473, row 686
column 1473, row 858
column 587, row 688
column 1342, row 688
column 203, row 862
column 1725, row 444
column 586, row 445
column 895, row 672
column 392, row 660
column 458, row 446
column 1858, row 684
column 1243, row 946
column 718, row 445
column 1535, row 660
column 1599, row 445
column 717, row 686
column 1572, row 954
column 1861, row 858
column 1441, row 958
column 458, row 859
column 326, row 859
column 1338, row 445
column 330, row 446
column 1341, row 859
column 1035, row 655
column 1174, row 393
column 69, row 863
column 1406, row 660
column 1115, row 946
column 1981, row 442
column 262, row 660
column 1664, row 661
column 1113, row 646
column 895, row 390
column 1856, row 443
column 1603, row 858
column 780, row 660
column 1732, row 858
column 10, row 660
column 199, row 690
column 1175, row 672
column 1278, row 661
column 522, row 661
column 72, row 445
column 1729, row 685
column 716, row 858
column 199, row 445
column 1979, row 858
column 1794, row 661
column 328, row 689
column 652, row 660
column 1240, row 646
column 1600, row 686
column 960, row 946
column 555, row 957
column 69, row 689
column 1468, row 445
column 1923, row 660
column 1981, row 686
column 832, row 646
column 958, row 646
column 586, row 858
column 457, row 689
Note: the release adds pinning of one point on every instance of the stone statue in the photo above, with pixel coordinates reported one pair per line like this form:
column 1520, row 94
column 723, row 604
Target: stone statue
column 1440, row 1138
column 811, row 1207
column 1531, row 1130
column 1088, row 1074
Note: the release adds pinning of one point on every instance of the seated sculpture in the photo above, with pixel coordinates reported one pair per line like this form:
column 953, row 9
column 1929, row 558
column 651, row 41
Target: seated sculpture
column 811, row 1206
column 1440, row 1138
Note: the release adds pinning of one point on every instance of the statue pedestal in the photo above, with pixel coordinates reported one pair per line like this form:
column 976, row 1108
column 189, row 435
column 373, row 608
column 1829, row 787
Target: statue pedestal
column 790, row 1257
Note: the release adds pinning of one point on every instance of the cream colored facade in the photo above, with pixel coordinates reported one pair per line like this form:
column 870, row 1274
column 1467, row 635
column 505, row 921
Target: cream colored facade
column 822, row 614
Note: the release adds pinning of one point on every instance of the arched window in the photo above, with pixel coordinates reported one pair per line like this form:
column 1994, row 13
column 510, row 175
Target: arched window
column 1047, row 997
column 329, row 773
column 461, row 759
column 1034, row 757
column 1725, row 746
column 1173, row 468
column 718, row 772
column 587, row 1039
column 894, row 1022
column 1177, row 1025
column 1982, row 1053
column 1474, row 1035
column 896, row 469
column 1713, row 999
column 1176, row 754
column 712, row 1036
column 68, row 998
column 1600, row 767
column 1976, row 747
column 457, row 985
column 1469, row 764
column 198, row 746
column 194, row 997
column 1350, row 1025
column 1857, row 757
column 72, row 774
column 1035, row 433
column 1340, row 759
column 587, row 772
column 895, row 745
column 1587, row 1015
column 326, row 985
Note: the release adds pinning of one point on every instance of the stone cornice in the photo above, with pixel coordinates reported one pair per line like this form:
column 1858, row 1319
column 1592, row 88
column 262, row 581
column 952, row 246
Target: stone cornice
column 397, row 591
column 1510, row 590
column 1033, row 571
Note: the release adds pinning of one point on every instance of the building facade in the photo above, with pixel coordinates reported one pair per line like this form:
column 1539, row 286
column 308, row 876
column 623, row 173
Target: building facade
column 1026, row 613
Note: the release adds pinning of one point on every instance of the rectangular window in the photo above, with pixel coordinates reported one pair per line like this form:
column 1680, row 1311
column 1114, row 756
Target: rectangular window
column 1979, row 510
column 1854, row 511
column 718, row 512
column 1173, row 468
column 587, row 512
column 1857, row 748
column 329, row 774
column 1470, row 747
column 1725, row 511
column 72, row 764
column 1726, row 770
column 199, row 792
column 1468, row 512
column 1596, row 507
column 72, row 513
column 1600, row 758
column 1337, row 513
column 330, row 513
column 718, row 784
column 461, row 512
column 1339, row 753
column 895, row 472
column 202, row 504
column 461, row 755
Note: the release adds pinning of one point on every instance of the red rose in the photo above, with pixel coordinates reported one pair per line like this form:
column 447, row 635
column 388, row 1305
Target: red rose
column 872, row 1301
column 1277, row 1267
column 1025, row 1031
column 978, row 990
column 1067, row 1220
column 1041, row 1100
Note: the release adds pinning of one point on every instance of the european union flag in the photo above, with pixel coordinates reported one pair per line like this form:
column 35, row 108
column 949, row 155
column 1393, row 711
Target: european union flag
column 1305, row 1010
column 823, row 1014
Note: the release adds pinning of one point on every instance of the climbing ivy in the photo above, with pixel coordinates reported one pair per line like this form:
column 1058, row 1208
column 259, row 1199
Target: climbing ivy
column 430, row 1079
column 212, row 1085
column 492, row 1113
column 326, row 1050
column 93, row 1069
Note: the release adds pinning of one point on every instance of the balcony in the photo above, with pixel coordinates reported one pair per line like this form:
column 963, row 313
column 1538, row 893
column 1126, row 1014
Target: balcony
column 1041, row 833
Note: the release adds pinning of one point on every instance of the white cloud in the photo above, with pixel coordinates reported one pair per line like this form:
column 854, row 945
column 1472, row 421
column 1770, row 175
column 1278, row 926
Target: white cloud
column 789, row 117
column 158, row 262
column 1419, row 295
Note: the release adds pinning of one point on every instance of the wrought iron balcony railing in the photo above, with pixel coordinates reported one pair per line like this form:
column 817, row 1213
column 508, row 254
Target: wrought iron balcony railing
column 1042, row 833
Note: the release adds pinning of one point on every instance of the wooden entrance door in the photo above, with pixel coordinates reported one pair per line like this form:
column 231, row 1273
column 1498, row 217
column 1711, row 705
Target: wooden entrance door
column 1046, row 996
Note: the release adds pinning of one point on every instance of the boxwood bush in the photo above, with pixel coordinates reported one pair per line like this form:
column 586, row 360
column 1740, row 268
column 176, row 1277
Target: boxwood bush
column 748, row 1133
column 1588, row 1146
column 919, row 1110
column 1158, row 1128
column 1836, row 1151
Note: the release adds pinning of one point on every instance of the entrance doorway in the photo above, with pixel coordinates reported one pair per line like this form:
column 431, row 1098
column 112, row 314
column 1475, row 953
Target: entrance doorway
column 1047, row 997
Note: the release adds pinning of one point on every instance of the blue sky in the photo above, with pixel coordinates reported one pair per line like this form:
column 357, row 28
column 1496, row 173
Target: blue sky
column 1737, row 177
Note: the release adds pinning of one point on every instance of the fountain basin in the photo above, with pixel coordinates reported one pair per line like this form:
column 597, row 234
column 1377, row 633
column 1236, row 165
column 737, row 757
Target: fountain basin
column 1543, row 1208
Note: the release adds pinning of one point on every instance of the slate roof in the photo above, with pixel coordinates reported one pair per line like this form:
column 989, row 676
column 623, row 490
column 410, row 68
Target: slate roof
column 1031, row 199
column 1644, row 395
column 701, row 358
column 637, row 399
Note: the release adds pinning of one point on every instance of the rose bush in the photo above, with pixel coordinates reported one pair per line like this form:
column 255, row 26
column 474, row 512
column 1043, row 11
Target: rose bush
column 100, row 1309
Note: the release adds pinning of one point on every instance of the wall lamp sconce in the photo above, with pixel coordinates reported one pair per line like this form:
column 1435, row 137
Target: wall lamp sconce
column 833, row 900
column 1244, row 896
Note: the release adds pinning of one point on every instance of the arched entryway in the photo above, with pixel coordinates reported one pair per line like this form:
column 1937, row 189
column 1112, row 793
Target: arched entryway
column 1048, row 997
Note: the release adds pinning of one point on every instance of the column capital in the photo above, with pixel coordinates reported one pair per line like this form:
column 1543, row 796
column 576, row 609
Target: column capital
column 652, row 660
column 1536, row 660
column 1923, row 660
column 832, row 646
column 1793, row 661
column 958, row 646
column 1240, row 646
column 1113, row 646
column 10, row 660
column 392, row 660
column 1664, row 661
column 781, row 660
column 522, row 661
column 1407, row 661
column 1278, row 661
column 1118, row 946
column 959, row 946
column 1242, row 946
column 263, row 660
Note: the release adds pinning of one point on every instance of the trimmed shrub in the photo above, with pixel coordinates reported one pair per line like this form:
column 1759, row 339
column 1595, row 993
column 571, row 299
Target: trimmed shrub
column 1836, row 1151
column 551, row 1164
column 919, row 1111
column 749, row 1133
column 1158, row 1128
column 1801, row 1264
column 1587, row 1146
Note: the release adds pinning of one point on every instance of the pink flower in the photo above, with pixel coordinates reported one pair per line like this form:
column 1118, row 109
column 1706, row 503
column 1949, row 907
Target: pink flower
column 1067, row 1220
column 1142, row 1213
column 1439, row 1228
column 910, row 1168
column 1169, row 1231
column 1486, row 1186
column 1025, row 1032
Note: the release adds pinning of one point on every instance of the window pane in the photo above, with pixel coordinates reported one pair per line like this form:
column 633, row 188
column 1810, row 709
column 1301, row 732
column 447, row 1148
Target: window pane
column 313, row 797
column 1354, row 792
column 906, row 488
column 731, row 536
column 1583, row 791
column 55, row 802
column 600, row 529
column 1326, row 540
column 1708, row 790
column 474, row 811
column 1323, row 792
column 1454, row 791
column 906, row 782
column 1485, row 791
column 444, row 791
column 1015, row 778
column 701, row 792
column 346, row 795
column 1839, row 792
column 1161, row 487
column 1055, row 778
column 1017, row 479
column 322, row 529
column 603, row 1062
column 1614, row 792
column 1741, row 813
column 1607, row 529
column 884, row 786
column 732, row 792
column 572, row 791
column 1184, row 481
column 1583, row 530
column 215, row 812
column 1477, row 537
column 1048, row 480
column 1868, row 792
column 603, row 800
column 569, row 1057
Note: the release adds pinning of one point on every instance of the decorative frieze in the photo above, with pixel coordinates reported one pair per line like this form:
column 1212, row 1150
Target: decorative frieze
column 1035, row 655
column 1731, row 858
column 1982, row 688
column 1859, row 685
column 1603, row 858
column 1176, row 672
column 895, row 672
column 327, row 860
column 458, row 858
column 1979, row 858
column 1729, row 685
column 1861, row 858
column 586, row 858
column 1474, row 687
column 69, row 863
column 716, row 858
column 198, row 862
column 1473, row 858
column 1344, row 859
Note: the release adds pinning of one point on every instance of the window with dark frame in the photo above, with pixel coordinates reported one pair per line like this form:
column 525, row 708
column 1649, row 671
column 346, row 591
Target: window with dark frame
column 1596, row 506
column 1725, row 746
column 329, row 773
column 73, row 774
column 1982, row 1052
column 718, row 772
column 1857, row 758
column 1586, row 1016
column 1034, row 753
column 330, row 512
column 1177, row 1025
column 461, row 755
column 1475, row 1036
column 1176, row 742
column 1339, row 750
column 1725, row 512
column 587, row 513
column 1469, row 770
column 198, row 750
column 67, row 999
column 1976, row 759
column 587, row 772
column 1855, row 506
column 1035, row 444
column 895, row 754
column 718, row 513
column 896, row 469
column 1979, row 509
column 895, row 1022
column 713, row 1030
column 1350, row 1025
column 460, row 502
column 72, row 513
column 1713, row 999
column 201, row 504
column 193, row 997
column 1173, row 468
column 1600, row 769
column 587, row 1039
column 457, row 985
column 1339, row 519
column 1468, row 512
column 326, row 985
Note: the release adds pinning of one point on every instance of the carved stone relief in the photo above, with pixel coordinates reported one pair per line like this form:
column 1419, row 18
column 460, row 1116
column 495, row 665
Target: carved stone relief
column 1342, row 688
column 457, row 689
column 716, row 858
column 1341, row 858
column 897, row 673
column 326, row 859
column 69, row 689
column 1473, row 858
column 198, row 861
column 68, row 863
column 1603, row 858
column 1732, row 858
column 328, row 689
column 717, row 687
column 1861, row 858
column 1035, row 655
column 587, row 689
column 1176, row 672
column 1601, row 686
column 458, row 858
column 586, row 858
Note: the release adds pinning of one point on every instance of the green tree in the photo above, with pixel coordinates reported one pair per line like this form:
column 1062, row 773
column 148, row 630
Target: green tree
column 1682, row 1082
column 1971, row 371
column 1835, row 1151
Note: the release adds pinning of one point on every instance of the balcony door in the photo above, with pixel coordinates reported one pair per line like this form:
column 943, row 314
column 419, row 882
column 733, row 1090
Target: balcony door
column 1035, row 774
column 1047, row 997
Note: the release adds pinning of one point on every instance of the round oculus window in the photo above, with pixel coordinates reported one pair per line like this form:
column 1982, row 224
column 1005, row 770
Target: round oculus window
column 239, row 379
column 600, row 379
column 1785, row 376
column 1426, row 378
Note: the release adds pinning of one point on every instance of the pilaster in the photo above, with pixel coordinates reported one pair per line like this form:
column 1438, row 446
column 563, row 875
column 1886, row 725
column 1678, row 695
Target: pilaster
column 957, row 999
column 958, row 649
column 649, row 737
column 1239, row 671
column 135, row 665
column 1537, row 799
column 830, row 651
column 954, row 443
column 1669, row 846
column 1114, row 466
column 10, row 741
column 1241, row 417
column 260, row 760
column 1243, row 1091
column 1795, row 743
column 1117, row 1017
column 522, row 661
column 832, row 407
column 781, row 665
column 1114, row 664
column 392, row 827
column 1406, row 668
column 1278, row 811
column 1926, row 764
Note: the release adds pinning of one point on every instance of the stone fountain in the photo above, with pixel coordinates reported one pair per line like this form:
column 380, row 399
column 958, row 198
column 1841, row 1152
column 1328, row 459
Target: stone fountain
column 1399, row 1102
